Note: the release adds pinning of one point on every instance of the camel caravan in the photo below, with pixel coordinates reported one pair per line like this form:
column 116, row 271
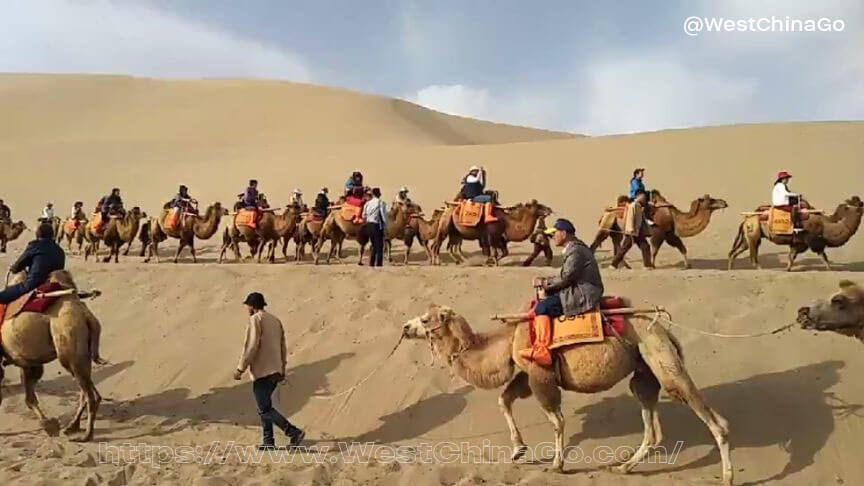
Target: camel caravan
column 646, row 219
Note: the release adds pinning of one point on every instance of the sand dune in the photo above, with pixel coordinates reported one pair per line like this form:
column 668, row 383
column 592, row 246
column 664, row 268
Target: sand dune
column 172, row 332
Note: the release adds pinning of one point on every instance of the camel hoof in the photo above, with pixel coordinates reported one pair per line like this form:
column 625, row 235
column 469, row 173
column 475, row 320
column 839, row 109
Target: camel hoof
column 72, row 428
column 619, row 469
column 52, row 427
column 81, row 438
column 519, row 452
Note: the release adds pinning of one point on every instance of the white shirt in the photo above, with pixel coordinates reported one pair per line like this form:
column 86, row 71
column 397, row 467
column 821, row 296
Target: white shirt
column 780, row 195
column 48, row 213
column 471, row 178
column 375, row 211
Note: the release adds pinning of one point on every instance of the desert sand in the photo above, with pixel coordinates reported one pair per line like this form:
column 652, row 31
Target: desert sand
column 173, row 332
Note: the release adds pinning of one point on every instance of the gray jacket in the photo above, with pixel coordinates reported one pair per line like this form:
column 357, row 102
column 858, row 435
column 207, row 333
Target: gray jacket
column 579, row 286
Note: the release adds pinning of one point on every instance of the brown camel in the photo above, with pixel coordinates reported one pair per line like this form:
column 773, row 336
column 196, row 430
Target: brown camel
column 190, row 227
column 400, row 226
column 10, row 232
column 670, row 223
column 337, row 229
column 514, row 224
column 647, row 351
column 842, row 313
column 425, row 231
column 270, row 229
column 820, row 232
column 94, row 238
column 308, row 231
column 120, row 231
column 74, row 233
column 67, row 331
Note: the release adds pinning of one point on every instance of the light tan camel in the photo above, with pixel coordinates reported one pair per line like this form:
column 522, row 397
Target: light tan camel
column 121, row 231
column 67, row 331
column 191, row 226
column 10, row 232
column 425, row 232
column 514, row 224
column 842, row 313
column 647, row 351
column 75, row 234
column 670, row 223
column 820, row 232
column 400, row 227
column 94, row 238
column 271, row 228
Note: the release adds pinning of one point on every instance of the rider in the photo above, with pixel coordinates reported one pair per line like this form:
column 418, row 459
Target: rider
column 77, row 215
column 111, row 202
column 47, row 213
column 474, row 185
column 250, row 196
column 297, row 199
column 322, row 204
column 577, row 290
column 5, row 212
column 182, row 201
column 41, row 257
column 353, row 182
column 402, row 197
column 782, row 198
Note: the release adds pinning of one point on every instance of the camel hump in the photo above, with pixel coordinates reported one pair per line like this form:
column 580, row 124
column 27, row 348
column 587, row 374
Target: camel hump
column 64, row 278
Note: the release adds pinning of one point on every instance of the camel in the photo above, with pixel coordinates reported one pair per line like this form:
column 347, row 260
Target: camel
column 820, row 232
column 646, row 351
column 190, row 227
column 308, row 231
column 842, row 313
column 10, row 232
column 425, row 232
column 76, row 234
column 67, row 331
column 92, row 239
column 270, row 229
column 670, row 223
column 514, row 224
column 400, row 226
column 337, row 229
column 120, row 231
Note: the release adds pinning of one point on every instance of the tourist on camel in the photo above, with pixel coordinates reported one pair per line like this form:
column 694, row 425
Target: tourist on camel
column 577, row 290
column 353, row 183
column 41, row 257
column 786, row 200
column 322, row 204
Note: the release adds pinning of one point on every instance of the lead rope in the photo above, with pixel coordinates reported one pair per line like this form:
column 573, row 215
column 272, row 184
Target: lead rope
column 658, row 316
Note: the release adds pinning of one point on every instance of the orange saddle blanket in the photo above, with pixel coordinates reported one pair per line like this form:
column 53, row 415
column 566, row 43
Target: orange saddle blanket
column 352, row 213
column 172, row 219
column 246, row 217
column 590, row 327
column 96, row 223
column 470, row 213
column 71, row 225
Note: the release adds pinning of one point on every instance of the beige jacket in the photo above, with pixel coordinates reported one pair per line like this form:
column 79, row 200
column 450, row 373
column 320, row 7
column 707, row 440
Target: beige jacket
column 634, row 220
column 264, row 352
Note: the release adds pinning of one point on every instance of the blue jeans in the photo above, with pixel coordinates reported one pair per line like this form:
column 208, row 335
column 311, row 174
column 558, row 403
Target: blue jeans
column 482, row 198
column 550, row 306
column 12, row 292
column 263, row 389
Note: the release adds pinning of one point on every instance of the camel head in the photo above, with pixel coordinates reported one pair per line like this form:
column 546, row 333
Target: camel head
column 711, row 204
column 532, row 208
column 440, row 323
column 16, row 229
column 842, row 313
column 136, row 213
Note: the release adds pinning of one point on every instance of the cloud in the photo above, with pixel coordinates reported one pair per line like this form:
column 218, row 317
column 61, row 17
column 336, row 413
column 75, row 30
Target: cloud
column 63, row 36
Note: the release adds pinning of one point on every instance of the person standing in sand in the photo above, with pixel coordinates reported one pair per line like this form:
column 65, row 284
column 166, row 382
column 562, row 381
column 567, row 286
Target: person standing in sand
column 265, row 356
column 375, row 215
column 635, row 231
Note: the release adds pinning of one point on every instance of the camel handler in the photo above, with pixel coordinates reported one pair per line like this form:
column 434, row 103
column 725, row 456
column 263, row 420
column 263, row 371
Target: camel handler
column 5, row 213
column 635, row 231
column 265, row 356
column 41, row 257
column 577, row 290
column 782, row 198
column 541, row 244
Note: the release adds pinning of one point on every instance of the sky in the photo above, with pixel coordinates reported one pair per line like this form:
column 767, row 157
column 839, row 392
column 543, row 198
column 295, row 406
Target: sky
column 589, row 67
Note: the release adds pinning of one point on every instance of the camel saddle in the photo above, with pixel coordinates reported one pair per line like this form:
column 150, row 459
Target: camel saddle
column 172, row 219
column 311, row 216
column 350, row 212
column 470, row 213
column 246, row 217
column 71, row 225
column 590, row 327
column 96, row 223
column 32, row 301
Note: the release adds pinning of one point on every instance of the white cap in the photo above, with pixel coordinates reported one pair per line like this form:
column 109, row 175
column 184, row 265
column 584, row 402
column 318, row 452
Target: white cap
column 324, row 189
column 297, row 191
column 403, row 189
column 474, row 167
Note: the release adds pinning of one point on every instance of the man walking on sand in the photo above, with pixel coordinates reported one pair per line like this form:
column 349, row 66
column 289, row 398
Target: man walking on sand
column 265, row 356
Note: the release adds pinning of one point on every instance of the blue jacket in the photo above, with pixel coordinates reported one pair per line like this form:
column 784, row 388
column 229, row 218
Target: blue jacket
column 635, row 185
column 250, row 199
column 40, row 259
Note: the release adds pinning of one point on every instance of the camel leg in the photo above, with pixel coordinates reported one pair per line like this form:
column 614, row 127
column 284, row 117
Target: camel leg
column 657, row 240
column 662, row 356
column 647, row 389
column 793, row 253
column 409, row 242
column 29, row 376
column 128, row 247
column 192, row 249
column 388, row 247
column 825, row 259
column 599, row 239
column 74, row 424
column 549, row 396
column 362, row 252
column 179, row 250
column 517, row 388
column 92, row 399
column 676, row 242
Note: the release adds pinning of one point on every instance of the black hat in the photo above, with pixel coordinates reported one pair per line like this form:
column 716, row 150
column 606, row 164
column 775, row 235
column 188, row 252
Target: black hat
column 256, row 300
